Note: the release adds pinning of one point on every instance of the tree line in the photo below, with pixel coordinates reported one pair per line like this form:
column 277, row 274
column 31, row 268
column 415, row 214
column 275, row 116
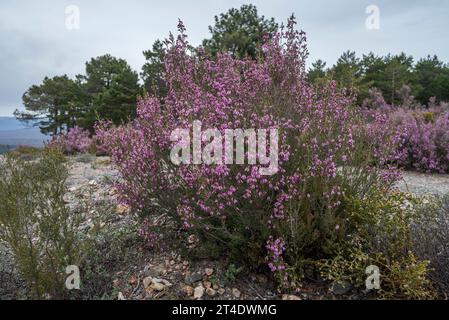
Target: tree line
column 428, row 77
column 109, row 88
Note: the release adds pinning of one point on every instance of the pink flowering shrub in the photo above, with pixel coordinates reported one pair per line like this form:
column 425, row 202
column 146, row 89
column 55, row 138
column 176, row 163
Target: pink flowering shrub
column 425, row 136
column 104, row 143
column 422, row 134
column 77, row 140
column 279, row 219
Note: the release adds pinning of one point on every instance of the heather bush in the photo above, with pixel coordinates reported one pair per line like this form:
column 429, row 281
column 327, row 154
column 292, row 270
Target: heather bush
column 36, row 225
column 426, row 141
column 286, row 221
column 77, row 140
column 422, row 132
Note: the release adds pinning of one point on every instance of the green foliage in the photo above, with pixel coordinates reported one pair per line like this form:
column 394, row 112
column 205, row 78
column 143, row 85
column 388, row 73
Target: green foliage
column 381, row 235
column 432, row 80
column 111, row 253
column 428, row 78
column 153, row 70
column 240, row 32
column 348, row 72
column 388, row 74
column 232, row 273
column 27, row 152
column 109, row 90
column 112, row 87
column 54, row 105
column 318, row 73
column 35, row 223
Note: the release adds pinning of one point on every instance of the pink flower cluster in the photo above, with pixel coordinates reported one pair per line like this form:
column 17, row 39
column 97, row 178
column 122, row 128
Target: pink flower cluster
column 425, row 135
column 316, row 139
column 276, row 249
column 422, row 133
column 77, row 140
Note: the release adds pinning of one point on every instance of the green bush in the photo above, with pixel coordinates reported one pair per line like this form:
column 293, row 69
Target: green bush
column 431, row 239
column 27, row 152
column 36, row 224
column 112, row 252
column 381, row 235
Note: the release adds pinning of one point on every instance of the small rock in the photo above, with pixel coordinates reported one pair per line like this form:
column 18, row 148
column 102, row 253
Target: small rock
column 290, row 297
column 341, row 288
column 236, row 293
column 157, row 280
column 92, row 183
column 221, row 291
column 115, row 283
column 209, row 271
column 120, row 296
column 157, row 286
column 188, row 290
column 167, row 283
column 211, row 292
column 198, row 292
column 122, row 209
column 147, row 282
column 193, row 277
column 207, row 284
column 163, row 281
column 192, row 239
column 157, row 270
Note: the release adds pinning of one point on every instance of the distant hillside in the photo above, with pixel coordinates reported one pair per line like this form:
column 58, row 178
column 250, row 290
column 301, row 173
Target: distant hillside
column 10, row 123
column 6, row 148
column 14, row 133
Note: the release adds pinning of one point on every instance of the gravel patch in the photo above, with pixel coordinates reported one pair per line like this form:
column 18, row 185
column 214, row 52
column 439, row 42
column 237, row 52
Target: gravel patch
column 424, row 183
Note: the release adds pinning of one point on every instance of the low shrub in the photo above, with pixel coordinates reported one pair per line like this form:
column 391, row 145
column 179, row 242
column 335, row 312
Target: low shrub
column 27, row 152
column 36, row 224
column 381, row 234
column 112, row 252
column 77, row 140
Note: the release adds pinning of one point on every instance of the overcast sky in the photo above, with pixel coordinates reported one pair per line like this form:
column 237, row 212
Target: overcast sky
column 34, row 40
